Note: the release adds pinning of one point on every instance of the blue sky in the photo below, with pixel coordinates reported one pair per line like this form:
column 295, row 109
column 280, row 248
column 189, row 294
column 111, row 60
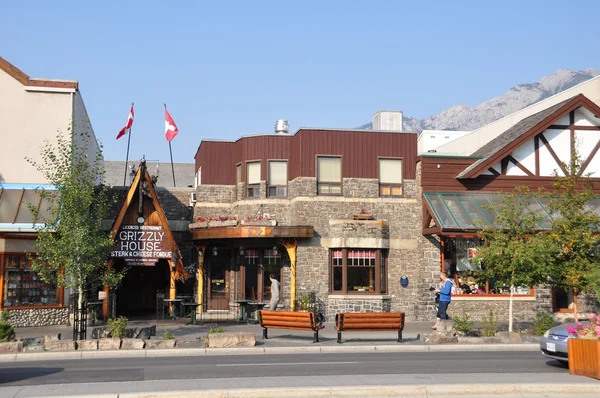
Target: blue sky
column 231, row 68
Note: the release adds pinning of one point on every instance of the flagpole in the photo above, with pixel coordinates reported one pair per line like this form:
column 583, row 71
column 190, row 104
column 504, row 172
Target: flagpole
column 127, row 156
column 171, row 152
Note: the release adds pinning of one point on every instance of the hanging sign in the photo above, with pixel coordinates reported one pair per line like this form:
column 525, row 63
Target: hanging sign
column 141, row 245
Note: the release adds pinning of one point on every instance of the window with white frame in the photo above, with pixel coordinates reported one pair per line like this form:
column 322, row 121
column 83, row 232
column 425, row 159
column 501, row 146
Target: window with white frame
column 390, row 177
column 329, row 175
column 253, row 180
column 277, row 179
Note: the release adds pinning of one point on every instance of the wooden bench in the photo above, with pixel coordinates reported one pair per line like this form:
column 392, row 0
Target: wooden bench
column 289, row 320
column 369, row 321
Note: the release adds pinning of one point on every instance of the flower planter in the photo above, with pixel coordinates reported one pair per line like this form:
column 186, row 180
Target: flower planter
column 210, row 224
column 584, row 357
column 259, row 223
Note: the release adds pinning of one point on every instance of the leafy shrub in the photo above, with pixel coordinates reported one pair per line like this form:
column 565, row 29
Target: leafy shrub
column 490, row 324
column 7, row 333
column 542, row 322
column 463, row 323
column 117, row 327
column 168, row 335
column 216, row 330
column 4, row 315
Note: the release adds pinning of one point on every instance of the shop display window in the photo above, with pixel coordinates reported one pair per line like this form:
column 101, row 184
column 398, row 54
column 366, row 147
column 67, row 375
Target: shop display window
column 459, row 261
column 23, row 286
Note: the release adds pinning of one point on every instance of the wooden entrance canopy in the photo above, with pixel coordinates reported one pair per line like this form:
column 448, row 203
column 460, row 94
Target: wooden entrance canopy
column 252, row 232
column 286, row 236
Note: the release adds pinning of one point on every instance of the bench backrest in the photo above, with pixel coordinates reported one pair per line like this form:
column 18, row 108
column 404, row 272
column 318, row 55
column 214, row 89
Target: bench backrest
column 370, row 320
column 287, row 320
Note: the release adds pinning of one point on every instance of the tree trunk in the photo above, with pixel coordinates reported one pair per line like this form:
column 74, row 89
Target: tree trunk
column 510, row 308
column 575, row 306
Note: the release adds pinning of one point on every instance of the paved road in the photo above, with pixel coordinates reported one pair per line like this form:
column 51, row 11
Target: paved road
column 253, row 366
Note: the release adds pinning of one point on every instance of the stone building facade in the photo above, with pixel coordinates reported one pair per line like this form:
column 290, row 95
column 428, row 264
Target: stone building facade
column 392, row 227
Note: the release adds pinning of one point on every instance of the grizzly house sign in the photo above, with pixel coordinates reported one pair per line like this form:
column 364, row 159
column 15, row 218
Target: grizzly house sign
column 141, row 244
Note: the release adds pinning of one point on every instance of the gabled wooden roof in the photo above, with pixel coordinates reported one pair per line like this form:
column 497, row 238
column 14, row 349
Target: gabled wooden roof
column 504, row 144
column 141, row 182
column 25, row 80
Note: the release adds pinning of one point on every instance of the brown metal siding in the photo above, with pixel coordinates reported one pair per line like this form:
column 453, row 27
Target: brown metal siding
column 359, row 150
column 217, row 162
column 443, row 179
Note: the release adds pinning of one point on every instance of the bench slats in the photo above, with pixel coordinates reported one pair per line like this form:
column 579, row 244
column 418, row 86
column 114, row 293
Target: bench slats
column 370, row 321
column 288, row 324
column 289, row 320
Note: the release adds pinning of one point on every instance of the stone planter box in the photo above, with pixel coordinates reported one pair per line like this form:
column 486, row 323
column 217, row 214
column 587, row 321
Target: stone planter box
column 209, row 224
column 152, row 344
column 584, row 357
column 259, row 223
column 109, row 344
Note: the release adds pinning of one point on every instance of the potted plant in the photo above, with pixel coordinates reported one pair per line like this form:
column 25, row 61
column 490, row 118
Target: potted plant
column 584, row 347
column 259, row 220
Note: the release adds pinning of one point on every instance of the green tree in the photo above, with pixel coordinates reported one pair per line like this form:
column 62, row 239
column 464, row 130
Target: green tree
column 574, row 231
column 513, row 254
column 72, row 247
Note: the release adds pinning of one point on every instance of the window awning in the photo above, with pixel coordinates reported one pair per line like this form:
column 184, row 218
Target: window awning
column 15, row 202
column 468, row 211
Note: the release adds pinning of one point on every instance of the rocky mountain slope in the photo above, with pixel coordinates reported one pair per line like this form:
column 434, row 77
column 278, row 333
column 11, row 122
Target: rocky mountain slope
column 465, row 117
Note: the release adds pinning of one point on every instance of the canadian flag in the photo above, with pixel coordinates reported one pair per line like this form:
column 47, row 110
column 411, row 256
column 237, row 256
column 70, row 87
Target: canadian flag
column 170, row 127
column 128, row 125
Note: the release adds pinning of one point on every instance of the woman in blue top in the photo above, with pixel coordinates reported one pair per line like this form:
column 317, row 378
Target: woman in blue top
column 445, row 291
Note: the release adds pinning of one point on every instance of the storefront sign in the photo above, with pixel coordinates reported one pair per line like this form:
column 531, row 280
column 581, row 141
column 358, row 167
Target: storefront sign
column 141, row 244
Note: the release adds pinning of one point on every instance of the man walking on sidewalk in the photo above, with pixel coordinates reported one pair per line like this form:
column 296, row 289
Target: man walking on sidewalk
column 274, row 292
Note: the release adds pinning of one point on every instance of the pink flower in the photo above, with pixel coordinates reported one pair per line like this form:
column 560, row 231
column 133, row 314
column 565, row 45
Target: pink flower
column 597, row 329
column 591, row 317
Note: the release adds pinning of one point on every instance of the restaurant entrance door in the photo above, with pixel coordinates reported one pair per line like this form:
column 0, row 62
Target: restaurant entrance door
column 136, row 296
column 218, row 286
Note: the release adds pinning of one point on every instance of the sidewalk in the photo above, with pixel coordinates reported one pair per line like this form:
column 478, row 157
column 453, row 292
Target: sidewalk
column 191, row 341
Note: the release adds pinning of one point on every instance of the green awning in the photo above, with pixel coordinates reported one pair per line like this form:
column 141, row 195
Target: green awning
column 453, row 210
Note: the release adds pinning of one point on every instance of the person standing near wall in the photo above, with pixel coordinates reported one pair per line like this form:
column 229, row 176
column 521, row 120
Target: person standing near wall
column 274, row 292
column 445, row 291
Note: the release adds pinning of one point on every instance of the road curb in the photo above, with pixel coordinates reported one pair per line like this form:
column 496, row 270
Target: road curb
column 407, row 391
column 178, row 352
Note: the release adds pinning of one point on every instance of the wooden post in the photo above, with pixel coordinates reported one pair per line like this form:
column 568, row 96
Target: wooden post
column 172, row 285
column 290, row 246
column 200, row 276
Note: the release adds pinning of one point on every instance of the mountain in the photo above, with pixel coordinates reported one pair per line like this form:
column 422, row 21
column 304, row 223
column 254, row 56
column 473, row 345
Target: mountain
column 465, row 117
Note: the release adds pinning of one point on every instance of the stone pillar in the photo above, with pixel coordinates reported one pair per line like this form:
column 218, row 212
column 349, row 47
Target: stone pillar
column 290, row 246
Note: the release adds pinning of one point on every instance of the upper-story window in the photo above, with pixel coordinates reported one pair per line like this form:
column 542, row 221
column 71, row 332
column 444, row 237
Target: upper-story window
column 329, row 176
column 238, row 173
column 253, row 179
column 390, row 177
column 278, row 178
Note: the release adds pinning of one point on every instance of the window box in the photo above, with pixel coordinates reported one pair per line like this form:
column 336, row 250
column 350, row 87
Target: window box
column 262, row 223
column 214, row 223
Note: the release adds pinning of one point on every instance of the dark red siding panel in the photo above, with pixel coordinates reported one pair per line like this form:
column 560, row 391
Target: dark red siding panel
column 360, row 152
column 217, row 160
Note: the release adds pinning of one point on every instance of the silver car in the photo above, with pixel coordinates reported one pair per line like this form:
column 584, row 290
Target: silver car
column 554, row 343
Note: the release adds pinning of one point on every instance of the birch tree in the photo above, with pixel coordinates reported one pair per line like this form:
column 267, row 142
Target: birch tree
column 72, row 247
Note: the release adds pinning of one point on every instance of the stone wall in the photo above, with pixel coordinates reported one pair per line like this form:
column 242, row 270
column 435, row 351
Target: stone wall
column 366, row 303
column 215, row 193
column 39, row 317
